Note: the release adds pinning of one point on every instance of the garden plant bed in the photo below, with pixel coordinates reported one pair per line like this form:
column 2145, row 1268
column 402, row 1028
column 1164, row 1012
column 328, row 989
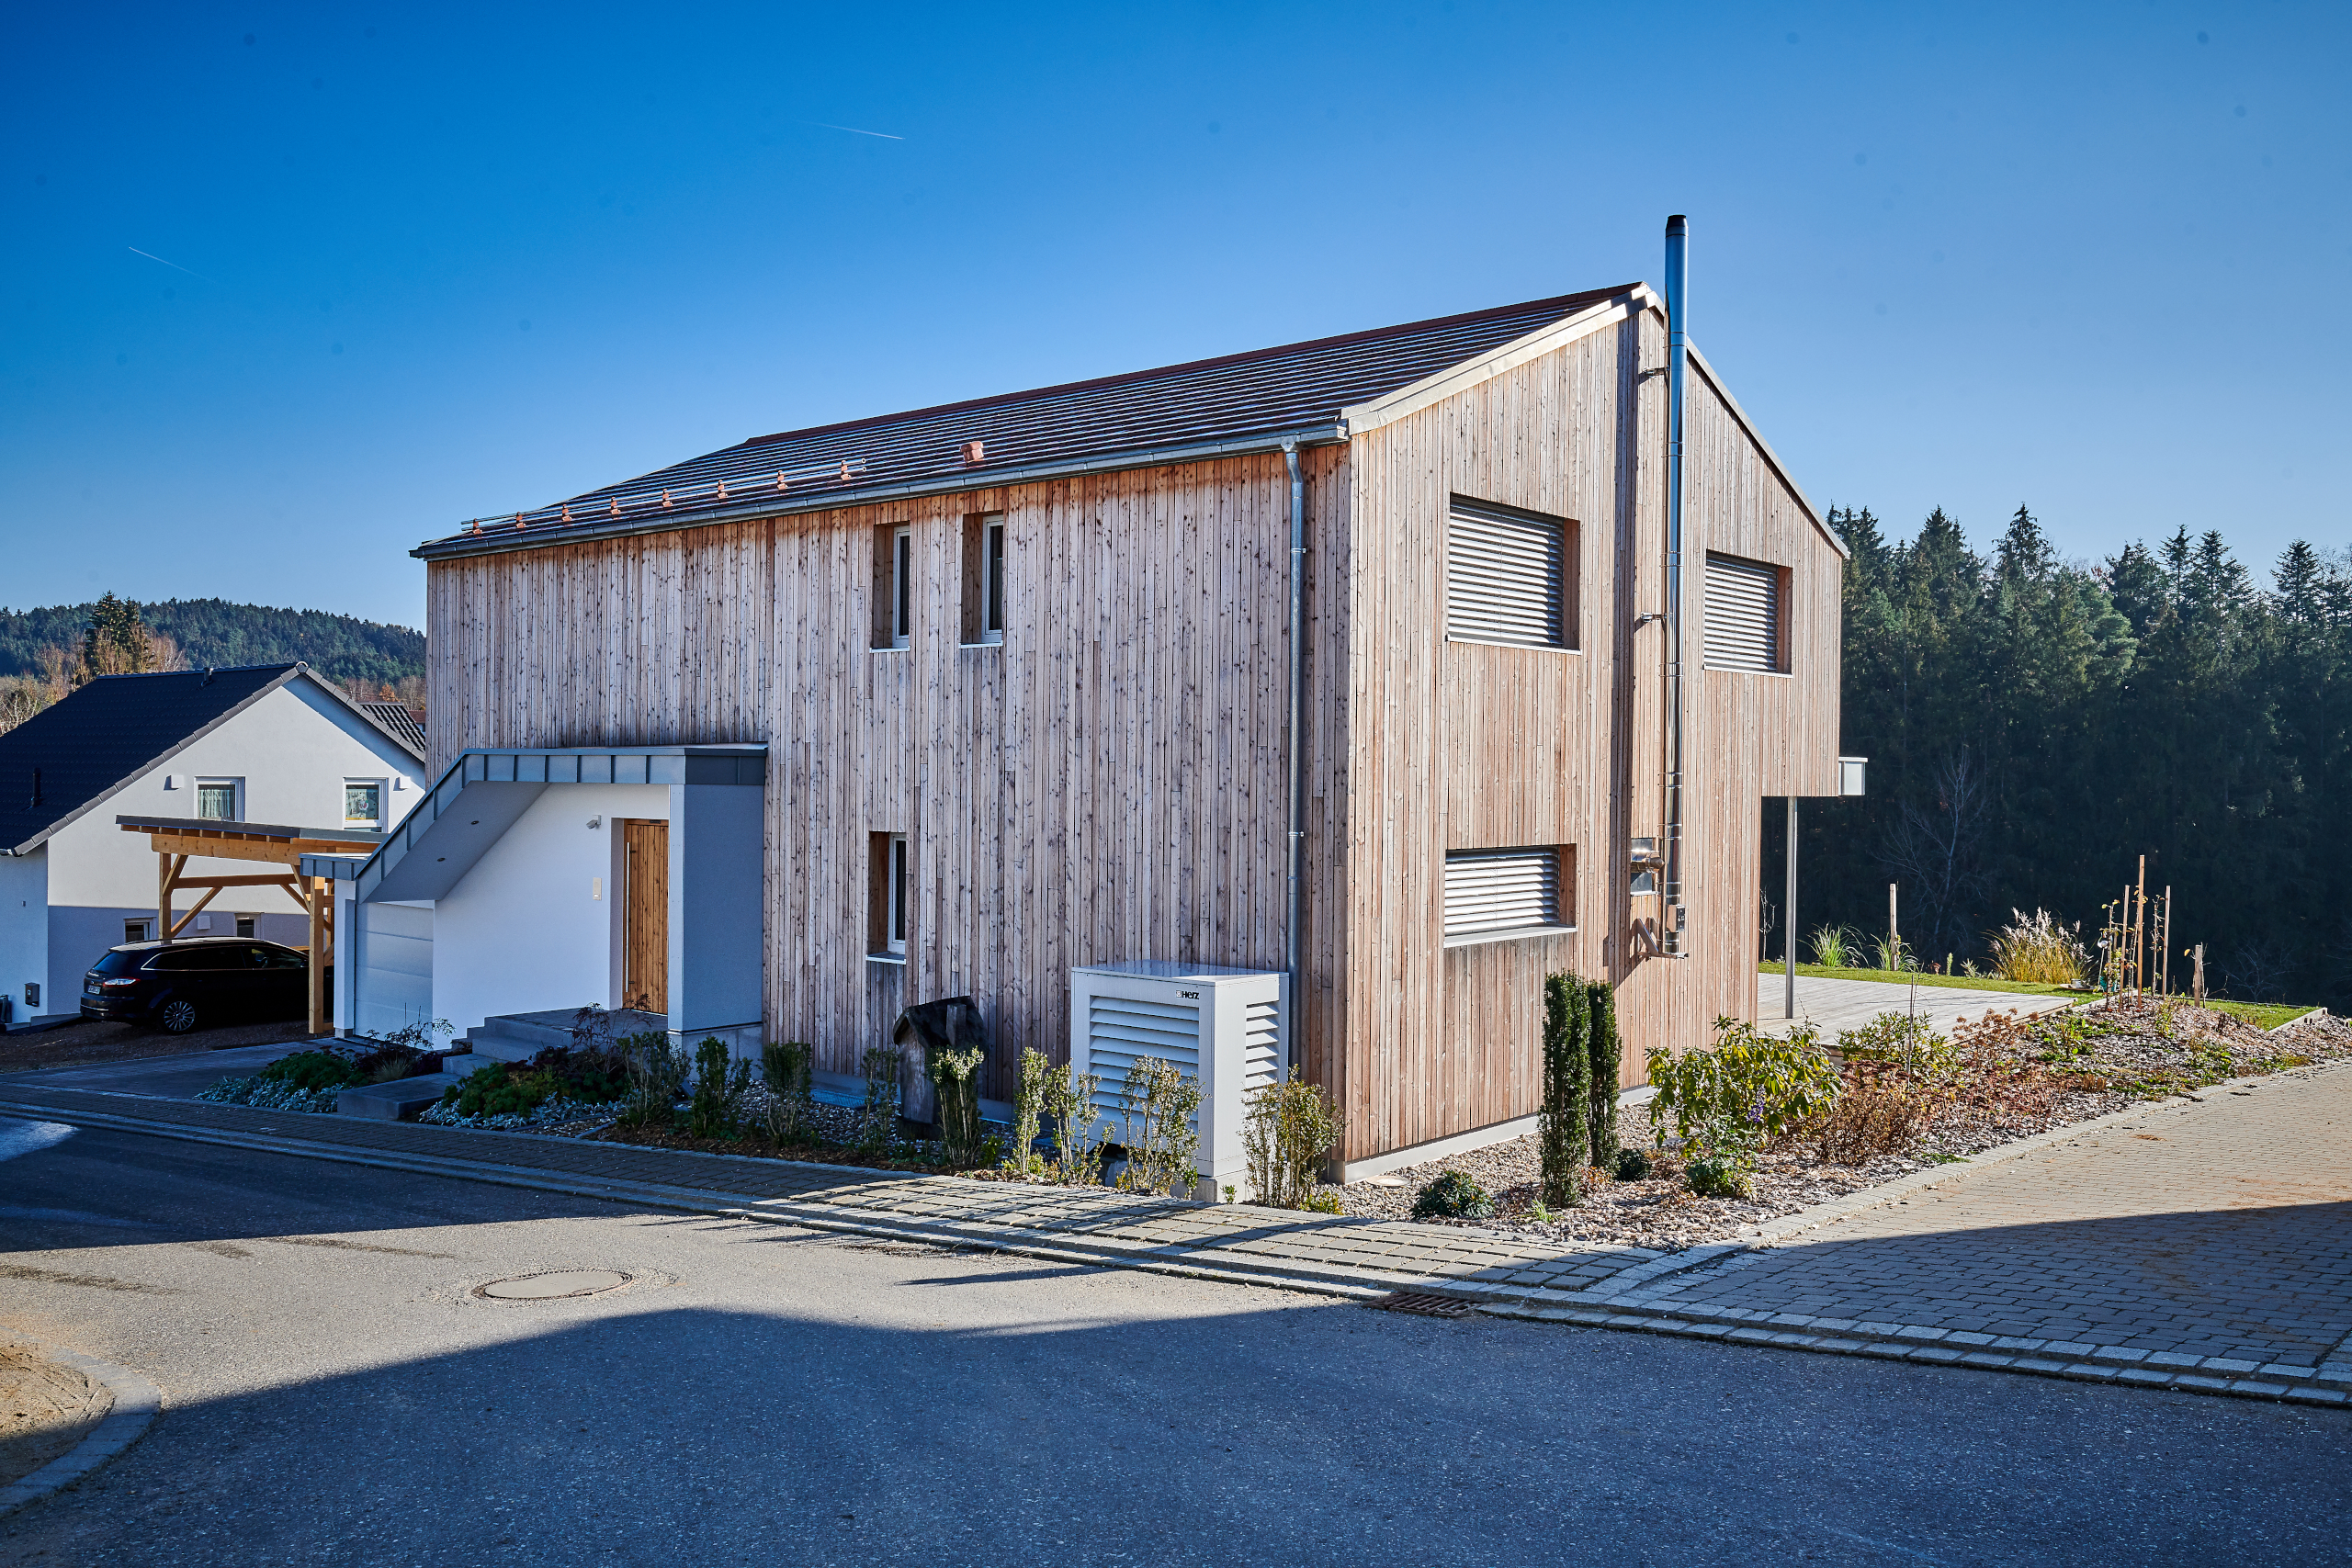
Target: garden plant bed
column 2017, row 1077
column 837, row 1126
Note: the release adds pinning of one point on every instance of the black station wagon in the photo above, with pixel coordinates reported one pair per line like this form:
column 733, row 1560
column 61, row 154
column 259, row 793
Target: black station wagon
column 181, row 986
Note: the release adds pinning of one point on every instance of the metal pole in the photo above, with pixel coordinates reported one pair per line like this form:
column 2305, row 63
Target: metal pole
column 1789, row 916
column 1670, row 910
column 1894, row 934
column 1297, row 836
column 2165, row 984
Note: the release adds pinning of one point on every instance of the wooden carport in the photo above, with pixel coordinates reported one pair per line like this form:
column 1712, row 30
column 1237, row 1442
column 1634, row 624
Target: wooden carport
column 178, row 840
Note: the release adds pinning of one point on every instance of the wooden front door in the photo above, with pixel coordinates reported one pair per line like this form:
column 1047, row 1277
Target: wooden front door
column 645, row 911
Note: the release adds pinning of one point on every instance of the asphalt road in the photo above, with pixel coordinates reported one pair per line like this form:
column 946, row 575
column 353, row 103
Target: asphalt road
column 335, row 1393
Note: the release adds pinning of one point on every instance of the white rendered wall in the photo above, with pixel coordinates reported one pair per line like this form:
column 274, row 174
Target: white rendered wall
column 24, row 936
column 391, row 958
column 294, row 749
column 525, row 932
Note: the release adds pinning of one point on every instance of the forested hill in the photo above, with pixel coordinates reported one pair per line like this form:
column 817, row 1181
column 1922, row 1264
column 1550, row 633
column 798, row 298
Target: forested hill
column 2035, row 726
column 214, row 631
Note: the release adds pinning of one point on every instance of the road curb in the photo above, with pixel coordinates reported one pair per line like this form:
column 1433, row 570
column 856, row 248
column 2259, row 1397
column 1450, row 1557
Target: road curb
column 137, row 1402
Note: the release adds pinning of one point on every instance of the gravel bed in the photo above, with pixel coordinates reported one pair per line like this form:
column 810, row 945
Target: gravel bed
column 2125, row 1051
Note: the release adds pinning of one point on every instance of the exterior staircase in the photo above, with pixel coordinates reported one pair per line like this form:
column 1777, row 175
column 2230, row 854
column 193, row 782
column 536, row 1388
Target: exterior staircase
column 519, row 1036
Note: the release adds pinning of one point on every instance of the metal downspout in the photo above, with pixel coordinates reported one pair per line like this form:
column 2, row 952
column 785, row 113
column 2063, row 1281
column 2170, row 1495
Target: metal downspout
column 1678, row 359
column 1297, row 839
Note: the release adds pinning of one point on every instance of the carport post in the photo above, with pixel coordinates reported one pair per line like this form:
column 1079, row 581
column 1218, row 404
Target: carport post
column 316, row 898
column 1789, row 916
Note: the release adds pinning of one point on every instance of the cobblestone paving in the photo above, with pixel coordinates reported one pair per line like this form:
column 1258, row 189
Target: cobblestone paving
column 1366, row 1256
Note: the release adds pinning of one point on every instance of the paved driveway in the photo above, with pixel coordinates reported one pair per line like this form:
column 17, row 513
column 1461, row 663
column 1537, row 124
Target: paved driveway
column 335, row 1393
column 1834, row 1005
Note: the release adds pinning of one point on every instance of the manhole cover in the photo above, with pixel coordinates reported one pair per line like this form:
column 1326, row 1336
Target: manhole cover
column 1425, row 1305
column 552, row 1287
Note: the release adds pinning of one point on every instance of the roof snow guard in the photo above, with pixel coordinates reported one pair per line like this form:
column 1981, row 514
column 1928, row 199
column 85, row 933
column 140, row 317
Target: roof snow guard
column 437, row 843
column 1192, row 412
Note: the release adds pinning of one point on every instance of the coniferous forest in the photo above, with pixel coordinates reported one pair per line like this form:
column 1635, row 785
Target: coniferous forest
column 215, row 631
column 2034, row 725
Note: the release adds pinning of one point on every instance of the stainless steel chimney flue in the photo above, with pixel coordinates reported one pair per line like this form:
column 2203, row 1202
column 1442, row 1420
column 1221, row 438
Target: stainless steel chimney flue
column 1672, row 934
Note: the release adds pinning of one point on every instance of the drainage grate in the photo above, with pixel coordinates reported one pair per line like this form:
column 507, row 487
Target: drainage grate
column 1425, row 1305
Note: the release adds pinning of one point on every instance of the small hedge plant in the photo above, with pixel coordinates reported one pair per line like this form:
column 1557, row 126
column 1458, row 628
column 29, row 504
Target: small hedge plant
column 1453, row 1196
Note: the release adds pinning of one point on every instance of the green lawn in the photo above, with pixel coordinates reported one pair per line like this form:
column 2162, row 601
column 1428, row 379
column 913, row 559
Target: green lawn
column 2267, row 1015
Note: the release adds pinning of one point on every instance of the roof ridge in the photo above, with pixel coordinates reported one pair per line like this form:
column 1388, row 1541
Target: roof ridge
column 1213, row 363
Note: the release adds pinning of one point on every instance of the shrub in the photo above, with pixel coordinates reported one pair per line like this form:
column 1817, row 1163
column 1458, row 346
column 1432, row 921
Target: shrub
column 1608, row 1053
column 788, row 1069
column 1564, row 1131
column 720, row 1084
column 1747, row 1085
column 1452, row 1196
column 1290, row 1128
column 1323, row 1200
column 1158, row 1104
column 1905, row 1042
column 657, row 1076
column 1028, row 1113
column 1893, row 954
column 2035, row 948
column 313, row 1070
column 956, row 1081
column 1722, row 1174
column 1870, row 1120
column 501, row 1088
column 878, row 1118
column 1070, row 1100
column 1633, row 1165
column 591, row 1076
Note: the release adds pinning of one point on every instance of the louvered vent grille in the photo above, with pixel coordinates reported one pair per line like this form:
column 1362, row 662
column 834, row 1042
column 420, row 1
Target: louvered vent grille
column 1743, row 615
column 1506, row 578
column 1502, row 890
column 1261, row 1045
column 1120, row 1030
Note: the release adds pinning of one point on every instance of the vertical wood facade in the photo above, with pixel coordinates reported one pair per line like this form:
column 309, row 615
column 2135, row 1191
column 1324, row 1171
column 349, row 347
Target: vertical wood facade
column 1109, row 783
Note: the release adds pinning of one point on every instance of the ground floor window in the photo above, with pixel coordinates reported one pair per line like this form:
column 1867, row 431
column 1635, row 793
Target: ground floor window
column 1490, row 891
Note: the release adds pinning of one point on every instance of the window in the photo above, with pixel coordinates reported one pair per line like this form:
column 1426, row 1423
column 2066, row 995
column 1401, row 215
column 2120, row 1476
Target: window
column 363, row 803
column 216, row 799
column 889, row 869
column 1509, row 576
column 244, row 925
column 134, row 930
column 984, row 578
column 894, row 585
column 1490, row 891
column 1744, row 621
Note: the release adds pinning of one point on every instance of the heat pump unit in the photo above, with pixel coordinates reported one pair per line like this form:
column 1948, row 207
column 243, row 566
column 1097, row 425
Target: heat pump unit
column 1226, row 1029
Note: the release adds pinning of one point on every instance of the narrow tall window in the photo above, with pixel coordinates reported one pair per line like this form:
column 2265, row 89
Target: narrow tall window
column 983, row 618
column 902, row 586
column 1745, row 622
column 217, row 800
column 894, row 930
column 1509, row 576
column 1493, row 891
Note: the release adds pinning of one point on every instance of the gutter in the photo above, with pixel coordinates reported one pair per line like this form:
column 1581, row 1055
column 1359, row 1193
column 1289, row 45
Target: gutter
column 1672, row 912
column 509, row 539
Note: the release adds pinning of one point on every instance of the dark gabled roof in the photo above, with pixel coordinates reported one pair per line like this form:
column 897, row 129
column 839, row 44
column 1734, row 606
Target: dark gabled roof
column 110, row 731
column 396, row 717
column 1194, row 408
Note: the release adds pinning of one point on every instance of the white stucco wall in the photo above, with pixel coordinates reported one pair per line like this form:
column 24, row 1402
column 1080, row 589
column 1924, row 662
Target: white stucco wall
column 24, row 934
column 293, row 748
column 526, row 930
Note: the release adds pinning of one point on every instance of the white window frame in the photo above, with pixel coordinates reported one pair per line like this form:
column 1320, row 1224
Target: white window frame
column 236, row 788
column 382, row 788
column 992, row 578
column 1563, row 903
column 902, row 585
column 897, row 875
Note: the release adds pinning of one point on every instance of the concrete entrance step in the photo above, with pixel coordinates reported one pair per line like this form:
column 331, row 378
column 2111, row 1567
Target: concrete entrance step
column 519, row 1036
column 402, row 1099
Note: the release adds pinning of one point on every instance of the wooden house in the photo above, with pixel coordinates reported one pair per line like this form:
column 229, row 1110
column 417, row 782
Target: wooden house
column 1005, row 688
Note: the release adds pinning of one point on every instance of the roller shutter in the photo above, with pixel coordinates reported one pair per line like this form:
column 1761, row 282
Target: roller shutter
column 1743, row 615
column 1506, row 578
column 1501, row 890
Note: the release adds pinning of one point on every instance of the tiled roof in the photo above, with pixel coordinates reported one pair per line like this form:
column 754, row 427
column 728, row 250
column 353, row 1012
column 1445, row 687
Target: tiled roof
column 396, row 717
column 108, row 731
column 1297, row 387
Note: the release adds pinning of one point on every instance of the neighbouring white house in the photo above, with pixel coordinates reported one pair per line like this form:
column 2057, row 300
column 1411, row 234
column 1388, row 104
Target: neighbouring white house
column 268, row 743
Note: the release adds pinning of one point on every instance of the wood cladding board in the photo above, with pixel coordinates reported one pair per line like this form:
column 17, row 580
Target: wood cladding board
column 1109, row 783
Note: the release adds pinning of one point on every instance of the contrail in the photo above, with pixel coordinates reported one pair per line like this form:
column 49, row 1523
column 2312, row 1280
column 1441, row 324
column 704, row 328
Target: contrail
column 853, row 131
column 175, row 266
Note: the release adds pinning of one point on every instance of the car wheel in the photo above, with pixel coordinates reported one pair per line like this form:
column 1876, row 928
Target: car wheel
column 177, row 1016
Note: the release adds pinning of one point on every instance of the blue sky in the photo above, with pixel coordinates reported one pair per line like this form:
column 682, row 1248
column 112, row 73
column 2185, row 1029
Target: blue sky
column 406, row 266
